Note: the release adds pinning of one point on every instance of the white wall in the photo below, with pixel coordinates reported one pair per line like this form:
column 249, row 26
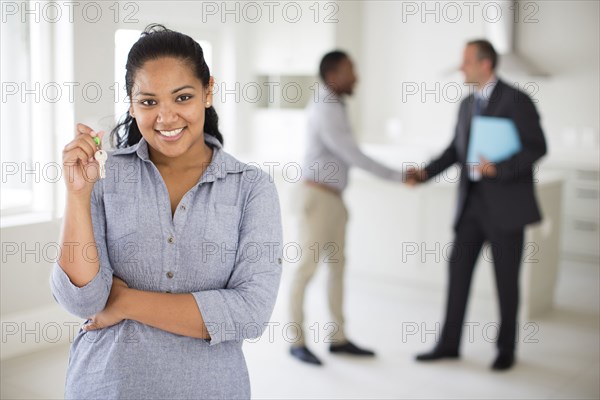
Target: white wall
column 398, row 53
column 566, row 42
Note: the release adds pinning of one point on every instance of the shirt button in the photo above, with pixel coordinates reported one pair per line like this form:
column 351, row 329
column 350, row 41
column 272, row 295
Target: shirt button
column 171, row 240
column 279, row 261
column 169, row 275
column 182, row 208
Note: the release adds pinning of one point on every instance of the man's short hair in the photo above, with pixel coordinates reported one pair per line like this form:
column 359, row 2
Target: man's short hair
column 485, row 51
column 330, row 61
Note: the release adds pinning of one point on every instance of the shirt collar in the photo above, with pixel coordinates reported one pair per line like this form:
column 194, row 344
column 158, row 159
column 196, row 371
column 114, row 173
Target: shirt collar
column 220, row 165
column 485, row 92
column 329, row 96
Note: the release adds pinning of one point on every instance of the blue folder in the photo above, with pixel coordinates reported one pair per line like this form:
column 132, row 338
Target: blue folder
column 493, row 138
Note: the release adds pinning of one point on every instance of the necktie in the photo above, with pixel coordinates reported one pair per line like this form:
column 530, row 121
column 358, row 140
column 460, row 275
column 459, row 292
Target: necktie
column 478, row 106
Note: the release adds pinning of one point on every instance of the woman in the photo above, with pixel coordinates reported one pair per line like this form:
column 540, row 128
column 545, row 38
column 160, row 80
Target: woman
column 174, row 257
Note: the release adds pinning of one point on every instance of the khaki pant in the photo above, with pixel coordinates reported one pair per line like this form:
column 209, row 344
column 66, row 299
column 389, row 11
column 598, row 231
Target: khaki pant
column 323, row 218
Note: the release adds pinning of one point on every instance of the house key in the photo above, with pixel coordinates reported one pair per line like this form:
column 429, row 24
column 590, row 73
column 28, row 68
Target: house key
column 101, row 156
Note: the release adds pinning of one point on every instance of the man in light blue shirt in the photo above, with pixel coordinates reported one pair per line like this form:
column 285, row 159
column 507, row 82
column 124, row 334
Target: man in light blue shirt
column 331, row 151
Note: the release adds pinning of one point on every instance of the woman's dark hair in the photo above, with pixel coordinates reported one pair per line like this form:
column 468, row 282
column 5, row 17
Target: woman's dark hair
column 155, row 42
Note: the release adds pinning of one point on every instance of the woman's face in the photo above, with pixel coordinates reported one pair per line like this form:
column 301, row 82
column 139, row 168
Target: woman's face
column 168, row 103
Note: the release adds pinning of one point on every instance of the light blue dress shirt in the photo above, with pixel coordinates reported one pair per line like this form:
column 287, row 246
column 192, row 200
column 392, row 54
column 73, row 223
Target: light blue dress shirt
column 331, row 147
column 482, row 97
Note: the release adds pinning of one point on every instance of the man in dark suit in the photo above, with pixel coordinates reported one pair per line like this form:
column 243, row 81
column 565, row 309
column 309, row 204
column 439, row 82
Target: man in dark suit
column 495, row 203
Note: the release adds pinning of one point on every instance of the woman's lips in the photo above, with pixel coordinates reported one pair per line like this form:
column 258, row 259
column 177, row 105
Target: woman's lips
column 171, row 135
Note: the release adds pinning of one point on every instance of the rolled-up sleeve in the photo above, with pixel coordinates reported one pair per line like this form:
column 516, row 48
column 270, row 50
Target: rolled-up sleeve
column 243, row 308
column 91, row 298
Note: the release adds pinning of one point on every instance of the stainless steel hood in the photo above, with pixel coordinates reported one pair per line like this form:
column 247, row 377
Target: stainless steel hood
column 501, row 34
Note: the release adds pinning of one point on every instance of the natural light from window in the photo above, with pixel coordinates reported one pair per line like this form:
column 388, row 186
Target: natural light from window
column 18, row 173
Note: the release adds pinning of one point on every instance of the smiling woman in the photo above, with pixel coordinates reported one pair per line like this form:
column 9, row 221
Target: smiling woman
column 159, row 301
column 171, row 117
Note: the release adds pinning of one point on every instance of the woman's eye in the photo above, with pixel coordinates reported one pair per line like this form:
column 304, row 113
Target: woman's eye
column 184, row 97
column 148, row 102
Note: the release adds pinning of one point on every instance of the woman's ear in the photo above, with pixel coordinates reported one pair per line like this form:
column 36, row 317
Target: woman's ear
column 209, row 92
column 131, row 110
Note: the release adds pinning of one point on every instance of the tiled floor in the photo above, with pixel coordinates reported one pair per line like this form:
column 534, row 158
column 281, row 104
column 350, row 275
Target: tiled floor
column 558, row 354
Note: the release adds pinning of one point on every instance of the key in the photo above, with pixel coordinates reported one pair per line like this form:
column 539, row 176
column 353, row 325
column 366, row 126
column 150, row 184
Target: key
column 101, row 156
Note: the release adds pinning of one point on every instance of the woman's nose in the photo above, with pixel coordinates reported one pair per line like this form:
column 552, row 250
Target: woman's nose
column 166, row 115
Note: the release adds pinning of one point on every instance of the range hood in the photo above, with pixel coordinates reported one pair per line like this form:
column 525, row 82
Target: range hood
column 501, row 34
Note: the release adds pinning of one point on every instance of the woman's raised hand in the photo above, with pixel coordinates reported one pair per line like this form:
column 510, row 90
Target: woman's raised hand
column 81, row 170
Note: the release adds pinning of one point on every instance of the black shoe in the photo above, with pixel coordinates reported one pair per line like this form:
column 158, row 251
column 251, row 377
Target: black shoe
column 438, row 354
column 504, row 361
column 302, row 353
column 350, row 348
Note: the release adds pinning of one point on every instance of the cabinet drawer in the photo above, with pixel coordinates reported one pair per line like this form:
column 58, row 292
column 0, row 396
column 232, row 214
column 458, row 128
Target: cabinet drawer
column 582, row 200
column 586, row 175
column 581, row 235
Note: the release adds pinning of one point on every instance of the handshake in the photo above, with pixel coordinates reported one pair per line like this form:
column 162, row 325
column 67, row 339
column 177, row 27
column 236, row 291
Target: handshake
column 485, row 168
column 414, row 176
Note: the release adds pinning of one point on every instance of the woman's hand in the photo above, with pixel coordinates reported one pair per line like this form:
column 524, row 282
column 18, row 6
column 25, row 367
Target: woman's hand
column 81, row 170
column 112, row 313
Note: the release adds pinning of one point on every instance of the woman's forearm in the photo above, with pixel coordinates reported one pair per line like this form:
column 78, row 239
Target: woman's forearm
column 79, row 255
column 172, row 312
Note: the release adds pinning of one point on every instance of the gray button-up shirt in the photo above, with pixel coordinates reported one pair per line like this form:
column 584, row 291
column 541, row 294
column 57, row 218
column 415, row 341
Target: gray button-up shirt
column 332, row 149
column 223, row 245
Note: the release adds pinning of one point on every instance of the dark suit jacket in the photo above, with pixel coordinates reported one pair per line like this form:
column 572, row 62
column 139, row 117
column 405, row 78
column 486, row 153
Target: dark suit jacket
column 509, row 196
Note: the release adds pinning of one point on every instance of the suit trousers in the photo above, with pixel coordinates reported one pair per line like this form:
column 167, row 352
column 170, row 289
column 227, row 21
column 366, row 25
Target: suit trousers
column 472, row 231
column 323, row 219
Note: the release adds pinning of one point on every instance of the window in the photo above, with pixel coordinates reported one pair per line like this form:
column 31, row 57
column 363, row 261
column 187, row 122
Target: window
column 36, row 116
column 15, row 129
